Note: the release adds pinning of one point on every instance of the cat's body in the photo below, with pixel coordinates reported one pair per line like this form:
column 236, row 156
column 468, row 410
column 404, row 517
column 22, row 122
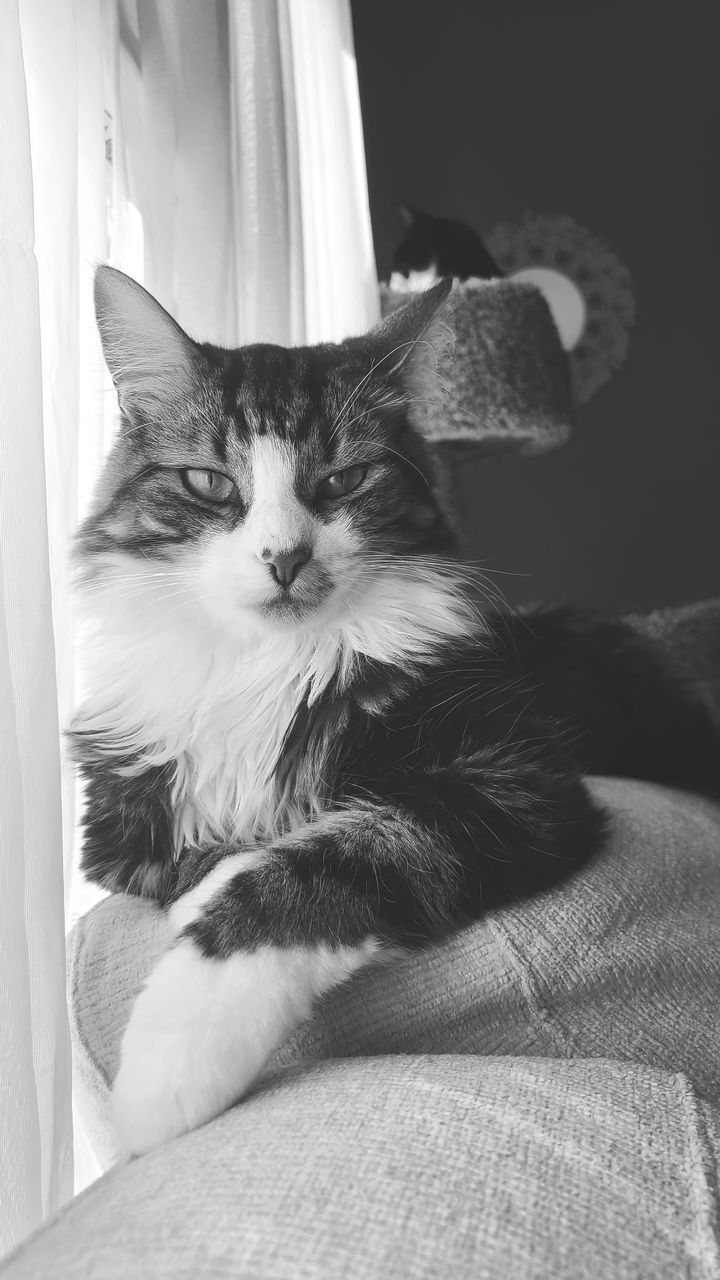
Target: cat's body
column 302, row 734
column 441, row 247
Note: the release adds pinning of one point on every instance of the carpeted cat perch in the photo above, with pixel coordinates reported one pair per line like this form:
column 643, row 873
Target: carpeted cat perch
column 506, row 377
column 507, row 388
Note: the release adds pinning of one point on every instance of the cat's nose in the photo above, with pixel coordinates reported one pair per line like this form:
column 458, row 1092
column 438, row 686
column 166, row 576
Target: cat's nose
column 286, row 565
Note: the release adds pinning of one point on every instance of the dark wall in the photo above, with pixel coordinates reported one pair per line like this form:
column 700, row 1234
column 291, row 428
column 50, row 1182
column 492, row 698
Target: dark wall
column 608, row 114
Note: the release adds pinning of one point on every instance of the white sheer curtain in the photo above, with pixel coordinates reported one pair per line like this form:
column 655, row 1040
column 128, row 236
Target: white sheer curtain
column 215, row 151
column 35, row 1119
column 245, row 160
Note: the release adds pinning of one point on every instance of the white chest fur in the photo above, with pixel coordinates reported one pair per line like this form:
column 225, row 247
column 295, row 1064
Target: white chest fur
column 167, row 689
column 216, row 712
column 224, row 783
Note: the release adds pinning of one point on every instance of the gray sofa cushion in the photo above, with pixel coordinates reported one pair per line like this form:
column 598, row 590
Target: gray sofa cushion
column 412, row 1168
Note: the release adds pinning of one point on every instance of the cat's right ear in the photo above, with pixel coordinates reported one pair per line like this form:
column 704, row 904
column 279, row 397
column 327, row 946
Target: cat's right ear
column 151, row 359
column 411, row 345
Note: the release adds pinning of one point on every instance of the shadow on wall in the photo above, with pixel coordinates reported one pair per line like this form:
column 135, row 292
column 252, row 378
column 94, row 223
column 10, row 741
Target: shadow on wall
column 504, row 107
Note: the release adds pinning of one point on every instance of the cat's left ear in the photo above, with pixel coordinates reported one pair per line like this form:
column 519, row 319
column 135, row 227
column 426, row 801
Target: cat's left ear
column 151, row 359
column 408, row 343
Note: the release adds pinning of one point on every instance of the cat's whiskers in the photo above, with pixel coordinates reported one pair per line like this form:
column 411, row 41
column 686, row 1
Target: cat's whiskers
column 135, row 597
column 398, row 402
column 374, row 366
column 182, row 597
column 468, row 573
column 389, row 449
column 365, row 413
column 350, row 401
column 458, row 576
column 140, row 579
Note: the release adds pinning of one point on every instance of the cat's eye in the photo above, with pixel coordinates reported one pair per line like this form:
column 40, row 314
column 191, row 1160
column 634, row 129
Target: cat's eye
column 341, row 482
column 209, row 485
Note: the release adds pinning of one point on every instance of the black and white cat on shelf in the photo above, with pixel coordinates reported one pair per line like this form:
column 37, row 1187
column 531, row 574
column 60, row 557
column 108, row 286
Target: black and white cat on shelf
column 431, row 248
column 305, row 735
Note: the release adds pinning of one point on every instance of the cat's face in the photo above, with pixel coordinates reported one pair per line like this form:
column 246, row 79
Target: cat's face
column 263, row 487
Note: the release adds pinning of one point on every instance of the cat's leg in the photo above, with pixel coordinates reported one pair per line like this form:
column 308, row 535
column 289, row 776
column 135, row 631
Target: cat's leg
column 128, row 839
column 205, row 1025
column 269, row 930
column 210, row 1016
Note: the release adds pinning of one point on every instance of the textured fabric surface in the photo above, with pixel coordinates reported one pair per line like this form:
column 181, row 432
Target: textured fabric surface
column 691, row 635
column 410, row 1169
column 621, row 962
column 506, row 377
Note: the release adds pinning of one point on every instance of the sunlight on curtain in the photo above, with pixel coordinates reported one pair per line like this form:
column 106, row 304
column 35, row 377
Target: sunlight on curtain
column 51, row 74
column 214, row 151
column 35, row 1116
column 305, row 264
column 246, row 163
column 341, row 290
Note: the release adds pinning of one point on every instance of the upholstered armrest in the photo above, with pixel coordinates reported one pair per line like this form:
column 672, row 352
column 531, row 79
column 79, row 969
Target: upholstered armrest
column 406, row 1168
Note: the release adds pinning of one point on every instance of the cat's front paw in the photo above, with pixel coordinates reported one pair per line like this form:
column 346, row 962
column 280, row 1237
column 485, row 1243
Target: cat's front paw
column 193, row 1046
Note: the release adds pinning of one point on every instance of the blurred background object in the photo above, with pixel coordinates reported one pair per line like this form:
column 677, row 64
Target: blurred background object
column 607, row 117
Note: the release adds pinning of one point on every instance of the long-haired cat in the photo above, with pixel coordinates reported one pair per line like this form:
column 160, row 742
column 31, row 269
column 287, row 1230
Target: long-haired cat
column 302, row 735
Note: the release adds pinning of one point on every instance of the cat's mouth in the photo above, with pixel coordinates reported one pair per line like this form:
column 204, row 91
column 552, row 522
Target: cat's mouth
column 287, row 607
column 303, row 599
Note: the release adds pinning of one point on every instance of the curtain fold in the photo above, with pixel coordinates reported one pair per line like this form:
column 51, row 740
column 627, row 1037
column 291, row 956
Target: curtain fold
column 177, row 145
column 51, row 72
column 341, row 290
column 245, row 160
column 35, row 1113
column 215, row 152
column 269, row 277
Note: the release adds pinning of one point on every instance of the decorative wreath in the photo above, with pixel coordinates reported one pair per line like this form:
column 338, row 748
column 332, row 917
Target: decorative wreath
column 560, row 245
